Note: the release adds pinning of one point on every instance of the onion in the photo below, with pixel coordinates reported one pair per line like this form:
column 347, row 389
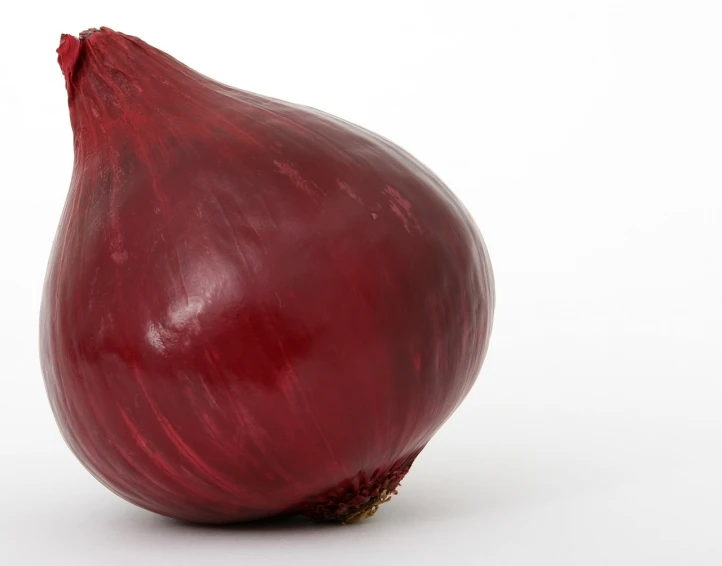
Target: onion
column 252, row 308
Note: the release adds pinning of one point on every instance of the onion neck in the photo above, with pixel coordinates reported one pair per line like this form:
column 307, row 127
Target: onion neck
column 119, row 85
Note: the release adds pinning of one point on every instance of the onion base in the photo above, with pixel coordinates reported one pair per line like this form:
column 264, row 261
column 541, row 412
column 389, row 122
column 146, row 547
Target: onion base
column 359, row 498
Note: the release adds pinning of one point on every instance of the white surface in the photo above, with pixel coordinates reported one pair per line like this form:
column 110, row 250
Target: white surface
column 499, row 485
column 585, row 139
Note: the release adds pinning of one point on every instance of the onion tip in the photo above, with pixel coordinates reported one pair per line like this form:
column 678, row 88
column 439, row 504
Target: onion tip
column 69, row 53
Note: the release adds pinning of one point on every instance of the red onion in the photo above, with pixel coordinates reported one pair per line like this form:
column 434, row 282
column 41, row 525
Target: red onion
column 252, row 308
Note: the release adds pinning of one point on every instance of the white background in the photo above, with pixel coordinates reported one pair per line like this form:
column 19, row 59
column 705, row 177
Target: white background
column 586, row 139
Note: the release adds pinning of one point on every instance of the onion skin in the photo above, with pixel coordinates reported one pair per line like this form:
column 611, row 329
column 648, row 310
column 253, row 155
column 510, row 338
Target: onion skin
column 252, row 308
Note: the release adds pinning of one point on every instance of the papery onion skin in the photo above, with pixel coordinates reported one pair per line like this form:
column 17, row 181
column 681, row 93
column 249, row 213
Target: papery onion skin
column 252, row 308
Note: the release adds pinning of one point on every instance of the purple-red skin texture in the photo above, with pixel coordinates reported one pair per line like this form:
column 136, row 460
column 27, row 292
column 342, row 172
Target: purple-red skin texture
column 252, row 308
